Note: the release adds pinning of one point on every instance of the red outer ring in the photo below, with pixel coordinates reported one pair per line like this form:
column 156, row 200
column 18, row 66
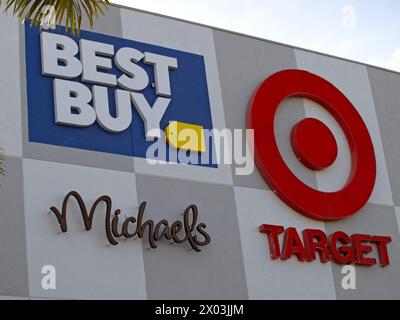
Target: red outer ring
column 308, row 201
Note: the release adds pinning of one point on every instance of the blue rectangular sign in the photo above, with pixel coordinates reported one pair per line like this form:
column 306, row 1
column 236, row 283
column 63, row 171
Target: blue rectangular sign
column 189, row 99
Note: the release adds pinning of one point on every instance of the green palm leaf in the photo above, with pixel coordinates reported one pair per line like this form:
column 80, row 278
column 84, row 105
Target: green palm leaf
column 2, row 159
column 65, row 12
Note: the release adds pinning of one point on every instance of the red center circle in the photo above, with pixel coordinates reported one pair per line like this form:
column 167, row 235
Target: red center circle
column 313, row 144
column 304, row 199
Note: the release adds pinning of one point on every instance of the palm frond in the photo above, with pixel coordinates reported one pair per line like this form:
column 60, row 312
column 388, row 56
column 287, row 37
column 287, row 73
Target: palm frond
column 2, row 160
column 64, row 12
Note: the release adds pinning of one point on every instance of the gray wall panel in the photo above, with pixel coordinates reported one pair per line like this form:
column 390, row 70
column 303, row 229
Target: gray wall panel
column 13, row 255
column 173, row 271
column 385, row 89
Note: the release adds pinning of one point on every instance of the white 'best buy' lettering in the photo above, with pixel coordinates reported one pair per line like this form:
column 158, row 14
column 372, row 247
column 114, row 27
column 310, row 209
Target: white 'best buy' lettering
column 72, row 99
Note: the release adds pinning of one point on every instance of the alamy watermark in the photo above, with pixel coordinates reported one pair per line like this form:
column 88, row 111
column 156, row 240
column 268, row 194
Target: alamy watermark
column 349, row 279
column 349, row 17
column 221, row 147
column 49, row 277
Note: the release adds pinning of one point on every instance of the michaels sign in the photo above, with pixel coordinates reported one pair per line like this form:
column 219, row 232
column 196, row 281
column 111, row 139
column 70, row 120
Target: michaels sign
column 103, row 93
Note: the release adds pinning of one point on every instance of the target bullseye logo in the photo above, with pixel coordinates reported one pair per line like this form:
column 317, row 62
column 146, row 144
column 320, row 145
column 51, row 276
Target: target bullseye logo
column 313, row 144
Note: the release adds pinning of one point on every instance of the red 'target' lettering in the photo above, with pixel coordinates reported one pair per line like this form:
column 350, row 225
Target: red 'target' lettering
column 338, row 247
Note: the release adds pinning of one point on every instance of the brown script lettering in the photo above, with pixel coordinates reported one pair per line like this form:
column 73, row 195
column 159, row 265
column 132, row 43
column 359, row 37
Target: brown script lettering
column 155, row 232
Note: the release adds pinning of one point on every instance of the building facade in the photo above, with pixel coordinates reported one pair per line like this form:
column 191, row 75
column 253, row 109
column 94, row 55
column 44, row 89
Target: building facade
column 60, row 135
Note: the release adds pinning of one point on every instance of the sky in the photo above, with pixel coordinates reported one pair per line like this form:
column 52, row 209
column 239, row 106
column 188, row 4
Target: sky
column 363, row 30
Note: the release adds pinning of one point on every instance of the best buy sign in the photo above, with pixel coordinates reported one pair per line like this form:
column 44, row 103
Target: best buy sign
column 108, row 94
